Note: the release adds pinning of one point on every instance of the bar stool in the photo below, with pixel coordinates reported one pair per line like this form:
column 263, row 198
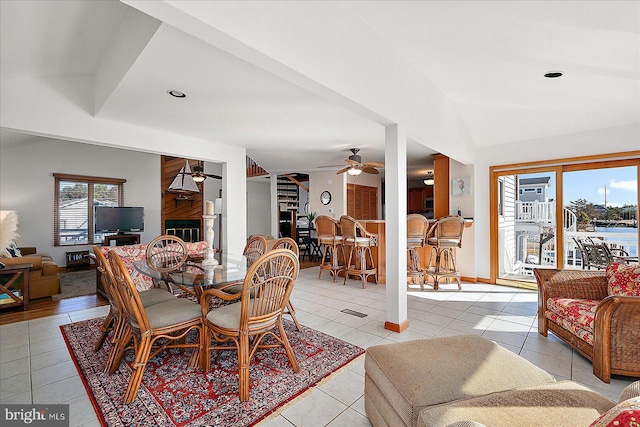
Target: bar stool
column 359, row 241
column 445, row 236
column 417, row 227
column 329, row 237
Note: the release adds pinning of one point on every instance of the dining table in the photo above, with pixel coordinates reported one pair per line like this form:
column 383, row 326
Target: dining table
column 194, row 276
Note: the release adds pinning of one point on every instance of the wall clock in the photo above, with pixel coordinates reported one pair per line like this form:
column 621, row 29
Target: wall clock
column 325, row 198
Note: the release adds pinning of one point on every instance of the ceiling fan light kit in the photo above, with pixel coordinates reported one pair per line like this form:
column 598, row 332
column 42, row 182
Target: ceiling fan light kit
column 429, row 179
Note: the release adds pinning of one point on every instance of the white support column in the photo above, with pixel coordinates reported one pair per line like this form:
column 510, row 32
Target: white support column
column 234, row 210
column 395, row 157
column 275, row 209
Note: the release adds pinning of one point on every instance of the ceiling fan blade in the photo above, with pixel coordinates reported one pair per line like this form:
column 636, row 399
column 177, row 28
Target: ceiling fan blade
column 374, row 164
column 213, row 176
column 352, row 162
column 343, row 170
column 369, row 169
column 329, row 166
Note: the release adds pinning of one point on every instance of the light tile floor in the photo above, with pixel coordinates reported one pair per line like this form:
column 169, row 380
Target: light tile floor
column 35, row 366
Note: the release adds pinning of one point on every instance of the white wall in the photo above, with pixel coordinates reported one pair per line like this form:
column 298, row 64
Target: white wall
column 465, row 256
column 335, row 184
column 27, row 185
column 259, row 207
column 602, row 141
column 464, row 203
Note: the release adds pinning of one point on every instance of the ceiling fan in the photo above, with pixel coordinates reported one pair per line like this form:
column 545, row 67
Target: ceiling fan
column 198, row 174
column 185, row 180
column 356, row 167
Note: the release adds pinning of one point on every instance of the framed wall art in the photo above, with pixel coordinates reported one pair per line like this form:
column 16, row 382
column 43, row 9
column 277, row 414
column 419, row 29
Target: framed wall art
column 461, row 186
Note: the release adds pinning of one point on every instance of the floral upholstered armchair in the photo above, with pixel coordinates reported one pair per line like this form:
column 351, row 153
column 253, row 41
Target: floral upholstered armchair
column 597, row 313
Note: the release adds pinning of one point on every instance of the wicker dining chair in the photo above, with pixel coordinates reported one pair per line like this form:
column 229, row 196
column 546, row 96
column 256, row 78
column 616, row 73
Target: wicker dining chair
column 256, row 247
column 116, row 319
column 243, row 325
column 155, row 328
column 166, row 253
column 289, row 243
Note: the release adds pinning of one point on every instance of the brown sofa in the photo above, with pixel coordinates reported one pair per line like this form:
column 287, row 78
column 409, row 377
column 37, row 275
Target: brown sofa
column 576, row 306
column 43, row 276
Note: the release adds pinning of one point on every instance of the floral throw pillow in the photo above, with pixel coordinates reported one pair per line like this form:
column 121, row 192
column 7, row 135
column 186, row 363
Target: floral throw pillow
column 14, row 251
column 624, row 414
column 623, row 279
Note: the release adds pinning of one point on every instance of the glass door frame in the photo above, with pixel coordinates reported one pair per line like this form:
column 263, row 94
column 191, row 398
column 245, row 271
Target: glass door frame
column 559, row 166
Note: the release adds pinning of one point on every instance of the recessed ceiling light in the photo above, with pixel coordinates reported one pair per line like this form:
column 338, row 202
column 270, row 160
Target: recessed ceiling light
column 177, row 93
column 553, row 74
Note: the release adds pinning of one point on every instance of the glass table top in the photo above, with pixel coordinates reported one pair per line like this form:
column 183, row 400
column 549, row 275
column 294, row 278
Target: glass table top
column 231, row 268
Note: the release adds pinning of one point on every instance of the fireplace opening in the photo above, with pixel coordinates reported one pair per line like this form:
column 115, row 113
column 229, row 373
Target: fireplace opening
column 186, row 229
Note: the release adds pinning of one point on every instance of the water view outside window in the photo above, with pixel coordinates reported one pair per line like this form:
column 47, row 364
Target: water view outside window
column 605, row 205
column 599, row 220
column 75, row 210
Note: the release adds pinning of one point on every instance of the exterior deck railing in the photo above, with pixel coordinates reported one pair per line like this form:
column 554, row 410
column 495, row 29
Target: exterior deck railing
column 544, row 212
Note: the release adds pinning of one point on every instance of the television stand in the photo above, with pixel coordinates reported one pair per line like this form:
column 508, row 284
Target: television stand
column 122, row 239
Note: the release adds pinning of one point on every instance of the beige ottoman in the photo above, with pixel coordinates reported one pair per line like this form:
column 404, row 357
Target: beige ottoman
column 404, row 378
column 564, row 403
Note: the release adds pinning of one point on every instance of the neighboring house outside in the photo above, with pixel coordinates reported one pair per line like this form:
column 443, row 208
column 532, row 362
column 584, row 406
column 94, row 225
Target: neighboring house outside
column 532, row 189
column 527, row 220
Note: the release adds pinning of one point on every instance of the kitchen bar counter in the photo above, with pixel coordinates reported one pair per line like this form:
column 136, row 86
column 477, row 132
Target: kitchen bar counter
column 378, row 226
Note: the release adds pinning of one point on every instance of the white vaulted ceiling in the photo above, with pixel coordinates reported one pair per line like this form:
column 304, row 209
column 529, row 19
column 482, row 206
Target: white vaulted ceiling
column 483, row 62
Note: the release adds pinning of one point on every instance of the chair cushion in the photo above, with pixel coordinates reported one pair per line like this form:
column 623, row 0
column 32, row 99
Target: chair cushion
column 444, row 242
column 154, row 296
column 130, row 254
column 623, row 279
column 176, row 310
column 576, row 316
column 330, row 239
column 228, row 317
column 626, row 413
column 358, row 240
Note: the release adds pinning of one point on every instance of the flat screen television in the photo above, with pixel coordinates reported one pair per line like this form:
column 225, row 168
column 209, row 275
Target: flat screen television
column 118, row 219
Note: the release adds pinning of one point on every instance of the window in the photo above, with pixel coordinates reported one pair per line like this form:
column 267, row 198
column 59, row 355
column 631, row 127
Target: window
column 501, row 197
column 75, row 197
column 539, row 190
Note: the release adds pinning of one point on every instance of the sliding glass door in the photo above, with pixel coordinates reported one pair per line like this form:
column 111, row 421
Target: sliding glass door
column 526, row 224
column 553, row 214
column 603, row 208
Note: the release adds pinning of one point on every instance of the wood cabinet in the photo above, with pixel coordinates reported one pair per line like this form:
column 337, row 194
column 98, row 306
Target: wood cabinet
column 420, row 200
column 441, row 186
column 362, row 202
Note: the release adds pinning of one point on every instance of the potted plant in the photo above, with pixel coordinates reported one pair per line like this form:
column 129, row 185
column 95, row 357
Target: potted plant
column 311, row 216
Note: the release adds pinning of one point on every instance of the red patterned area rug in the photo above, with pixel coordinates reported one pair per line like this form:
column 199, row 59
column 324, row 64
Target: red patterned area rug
column 173, row 395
